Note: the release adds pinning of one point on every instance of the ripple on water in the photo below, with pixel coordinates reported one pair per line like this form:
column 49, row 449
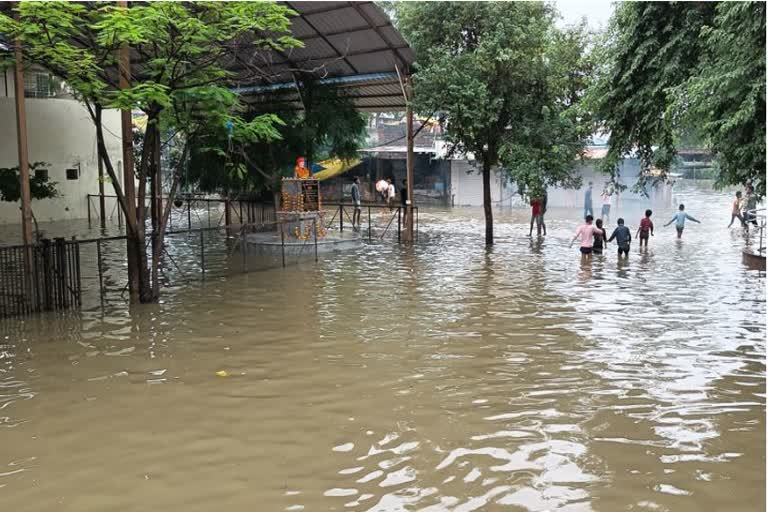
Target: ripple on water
column 444, row 377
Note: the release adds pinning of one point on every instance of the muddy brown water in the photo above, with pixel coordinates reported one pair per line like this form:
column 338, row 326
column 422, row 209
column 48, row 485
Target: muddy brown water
column 440, row 378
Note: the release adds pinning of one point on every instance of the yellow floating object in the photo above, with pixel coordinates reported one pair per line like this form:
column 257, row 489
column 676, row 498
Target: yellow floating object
column 222, row 373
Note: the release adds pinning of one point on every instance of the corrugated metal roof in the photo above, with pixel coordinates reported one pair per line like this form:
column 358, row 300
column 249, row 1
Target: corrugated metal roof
column 351, row 40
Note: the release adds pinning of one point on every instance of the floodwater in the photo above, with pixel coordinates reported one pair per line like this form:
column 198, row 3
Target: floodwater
column 442, row 377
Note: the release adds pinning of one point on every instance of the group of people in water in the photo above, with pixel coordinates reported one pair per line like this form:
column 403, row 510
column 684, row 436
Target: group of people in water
column 594, row 238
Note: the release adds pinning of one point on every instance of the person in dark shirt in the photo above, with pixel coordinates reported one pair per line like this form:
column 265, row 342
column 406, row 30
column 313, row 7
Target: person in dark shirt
column 600, row 238
column 623, row 237
column 356, row 201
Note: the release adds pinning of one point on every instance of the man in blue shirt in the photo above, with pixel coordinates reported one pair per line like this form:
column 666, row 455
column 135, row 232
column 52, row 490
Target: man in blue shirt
column 622, row 236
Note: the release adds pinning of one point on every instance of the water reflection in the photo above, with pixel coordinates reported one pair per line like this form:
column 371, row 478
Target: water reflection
column 444, row 377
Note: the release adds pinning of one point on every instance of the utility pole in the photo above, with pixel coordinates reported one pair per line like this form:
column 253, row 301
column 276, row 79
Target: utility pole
column 129, row 184
column 21, row 130
column 409, row 160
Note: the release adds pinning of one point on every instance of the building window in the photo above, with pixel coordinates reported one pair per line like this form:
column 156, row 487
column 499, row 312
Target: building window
column 38, row 84
column 41, row 174
column 73, row 174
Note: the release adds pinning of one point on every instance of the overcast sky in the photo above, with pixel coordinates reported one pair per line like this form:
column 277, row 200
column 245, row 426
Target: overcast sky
column 596, row 12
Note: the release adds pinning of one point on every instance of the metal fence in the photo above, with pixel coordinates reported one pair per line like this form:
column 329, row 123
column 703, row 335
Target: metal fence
column 190, row 212
column 41, row 277
column 387, row 221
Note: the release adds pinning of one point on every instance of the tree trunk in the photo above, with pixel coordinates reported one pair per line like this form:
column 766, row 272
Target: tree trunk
column 159, row 240
column 487, row 206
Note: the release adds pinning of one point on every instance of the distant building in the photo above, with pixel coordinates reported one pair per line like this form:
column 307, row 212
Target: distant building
column 61, row 134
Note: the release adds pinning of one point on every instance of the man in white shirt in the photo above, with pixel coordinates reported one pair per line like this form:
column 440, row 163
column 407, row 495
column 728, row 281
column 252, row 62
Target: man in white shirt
column 390, row 194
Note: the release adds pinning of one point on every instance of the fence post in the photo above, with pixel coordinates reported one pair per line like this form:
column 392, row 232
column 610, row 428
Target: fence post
column 47, row 275
column 370, row 239
column 61, row 264
column 119, row 216
column 282, row 243
column 76, row 247
column 89, row 210
column 189, row 214
column 227, row 214
column 101, row 272
column 202, row 253
column 341, row 217
column 208, row 209
column 398, row 224
column 244, row 248
column 314, row 228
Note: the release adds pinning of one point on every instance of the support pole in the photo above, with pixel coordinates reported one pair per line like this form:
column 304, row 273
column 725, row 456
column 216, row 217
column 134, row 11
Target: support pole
column 409, row 161
column 129, row 183
column 21, row 139
column 102, row 205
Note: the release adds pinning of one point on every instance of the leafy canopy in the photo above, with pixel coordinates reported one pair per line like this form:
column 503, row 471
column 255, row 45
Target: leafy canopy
column 675, row 70
column 329, row 127
column 507, row 82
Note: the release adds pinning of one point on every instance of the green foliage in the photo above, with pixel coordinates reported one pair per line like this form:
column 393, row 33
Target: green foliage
column 507, row 82
column 40, row 187
column 329, row 128
column 671, row 71
column 182, row 48
column 727, row 94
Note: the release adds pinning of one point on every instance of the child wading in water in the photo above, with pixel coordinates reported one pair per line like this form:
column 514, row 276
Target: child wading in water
column 622, row 236
column 646, row 229
column 586, row 233
column 600, row 238
column 679, row 220
column 736, row 210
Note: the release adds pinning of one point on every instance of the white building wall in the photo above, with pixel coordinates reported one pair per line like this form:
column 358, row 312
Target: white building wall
column 467, row 185
column 60, row 132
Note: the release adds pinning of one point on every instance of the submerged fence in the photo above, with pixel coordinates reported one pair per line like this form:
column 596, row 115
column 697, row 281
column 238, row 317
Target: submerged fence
column 206, row 238
column 41, row 277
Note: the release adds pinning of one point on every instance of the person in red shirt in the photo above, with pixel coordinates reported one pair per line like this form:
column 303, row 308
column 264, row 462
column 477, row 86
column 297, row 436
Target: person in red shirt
column 537, row 215
column 645, row 229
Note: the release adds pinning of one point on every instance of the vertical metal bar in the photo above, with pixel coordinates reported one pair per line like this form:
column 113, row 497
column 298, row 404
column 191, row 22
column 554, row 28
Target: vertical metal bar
column 282, row 243
column 36, row 270
column 244, row 249
column 47, row 273
column 119, row 217
column 202, row 253
column 101, row 272
column 89, row 209
column 398, row 224
column 79, row 288
column 417, row 224
column 314, row 228
column 189, row 214
column 208, row 208
column 341, row 217
column 102, row 205
column 370, row 238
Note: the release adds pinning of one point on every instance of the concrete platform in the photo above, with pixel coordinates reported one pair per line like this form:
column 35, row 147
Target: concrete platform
column 753, row 260
column 268, row 244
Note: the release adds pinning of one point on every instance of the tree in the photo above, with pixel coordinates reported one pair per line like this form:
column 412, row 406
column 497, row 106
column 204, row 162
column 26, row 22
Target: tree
column 493, row 71
column 671, row 70
column 541, row 145
column 726, row 96
column 329, row 126
column 39, row 185
column 180, row 79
